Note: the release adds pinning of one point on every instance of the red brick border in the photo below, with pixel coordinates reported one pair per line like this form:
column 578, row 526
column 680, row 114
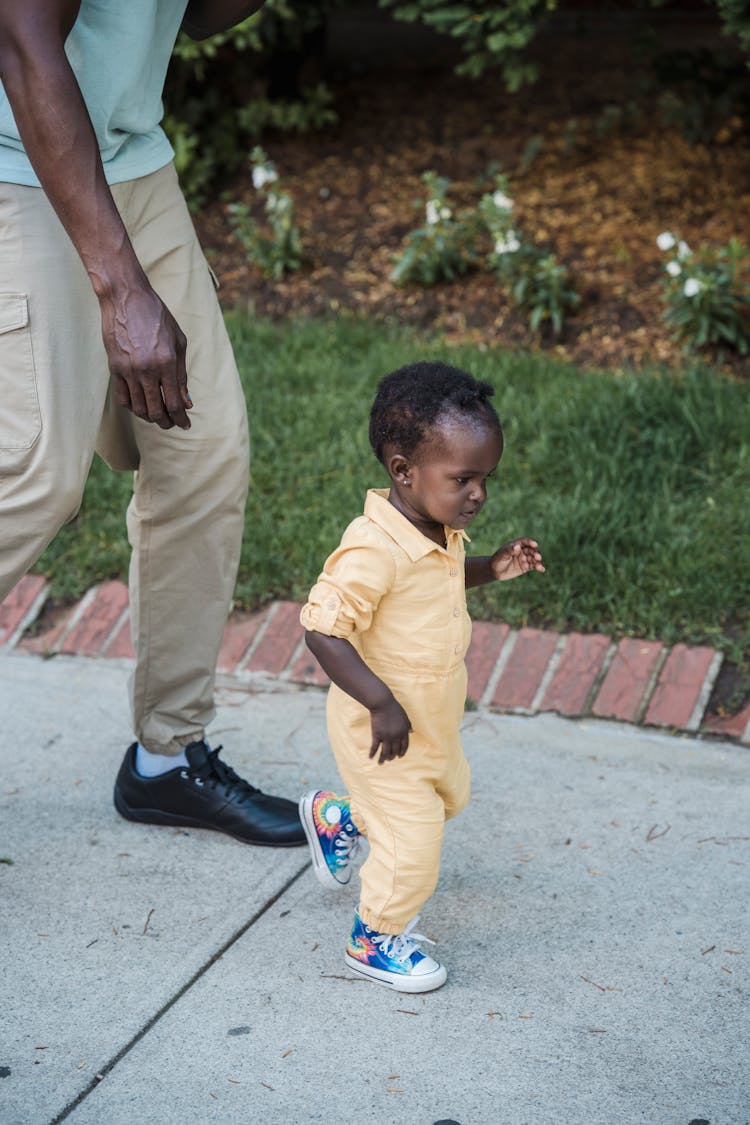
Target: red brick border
column 521, row 677
column 523, row 672
column 624, row 691
column 677, row 695
column 570, row 690
column 18, row 605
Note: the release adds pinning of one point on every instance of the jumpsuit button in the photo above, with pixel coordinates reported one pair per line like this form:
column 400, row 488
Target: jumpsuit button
column 457, row 649
column 330, row 604
column 454, row 572
column 456, row 612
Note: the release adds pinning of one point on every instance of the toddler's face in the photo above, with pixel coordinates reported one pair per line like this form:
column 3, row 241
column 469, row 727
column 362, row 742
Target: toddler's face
column 447, row 483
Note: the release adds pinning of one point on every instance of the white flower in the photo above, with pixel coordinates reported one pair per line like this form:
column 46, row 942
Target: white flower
column 432, row 211
column 692, row 287
column 445, row 212
column 507, row 244
column 674, row 269
column 666, row 240
column 263, row 175
column 502, row 201
column 683, row 250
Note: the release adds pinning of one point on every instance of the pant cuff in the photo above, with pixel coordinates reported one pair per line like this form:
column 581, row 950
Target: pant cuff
column 384, row 923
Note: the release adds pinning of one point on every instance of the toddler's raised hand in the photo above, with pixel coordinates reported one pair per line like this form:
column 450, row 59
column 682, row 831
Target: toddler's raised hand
column 390, row 731
column 515, row 558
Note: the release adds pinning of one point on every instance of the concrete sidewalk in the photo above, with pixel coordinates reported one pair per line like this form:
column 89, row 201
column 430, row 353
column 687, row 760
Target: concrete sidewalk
column 592, row 913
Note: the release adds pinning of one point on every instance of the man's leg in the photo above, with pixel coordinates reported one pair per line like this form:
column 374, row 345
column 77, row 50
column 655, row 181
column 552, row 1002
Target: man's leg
column 53, row 378
column 185, row 526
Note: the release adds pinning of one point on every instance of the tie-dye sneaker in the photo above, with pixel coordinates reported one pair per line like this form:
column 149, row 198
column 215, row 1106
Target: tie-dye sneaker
column 395, row 960
column 332, row 835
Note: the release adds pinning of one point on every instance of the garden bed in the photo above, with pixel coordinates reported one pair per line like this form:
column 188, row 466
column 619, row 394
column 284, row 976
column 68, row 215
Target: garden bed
column 602, row 185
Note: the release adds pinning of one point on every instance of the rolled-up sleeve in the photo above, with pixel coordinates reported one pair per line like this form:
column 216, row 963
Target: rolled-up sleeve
column 354, row 579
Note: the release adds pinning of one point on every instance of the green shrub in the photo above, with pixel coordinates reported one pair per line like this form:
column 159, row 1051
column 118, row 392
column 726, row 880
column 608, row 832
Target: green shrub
column 535, row 280
column 707, row 294
column 491, row 35
column 442, row 248
column 220, row 93
column 282, row 251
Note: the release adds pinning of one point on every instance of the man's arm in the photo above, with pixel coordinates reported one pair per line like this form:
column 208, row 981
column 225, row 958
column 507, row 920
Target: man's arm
column 145, row 347
column 208, row 17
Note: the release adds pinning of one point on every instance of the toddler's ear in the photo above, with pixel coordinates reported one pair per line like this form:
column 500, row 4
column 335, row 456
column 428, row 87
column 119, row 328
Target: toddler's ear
column 399, row 469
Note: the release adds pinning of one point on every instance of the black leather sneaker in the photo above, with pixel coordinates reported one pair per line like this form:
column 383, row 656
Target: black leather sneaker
column 207, row 794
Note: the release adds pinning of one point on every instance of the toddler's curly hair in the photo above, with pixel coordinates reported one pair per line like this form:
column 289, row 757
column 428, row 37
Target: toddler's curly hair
column 409, row 402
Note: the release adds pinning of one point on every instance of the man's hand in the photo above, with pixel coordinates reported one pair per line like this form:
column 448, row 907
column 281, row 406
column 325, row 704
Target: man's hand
column 390, row 731
column 146, row 353
column 515, row 558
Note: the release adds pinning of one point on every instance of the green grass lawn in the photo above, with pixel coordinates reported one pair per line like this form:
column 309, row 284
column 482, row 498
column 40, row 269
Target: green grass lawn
column 635, row 485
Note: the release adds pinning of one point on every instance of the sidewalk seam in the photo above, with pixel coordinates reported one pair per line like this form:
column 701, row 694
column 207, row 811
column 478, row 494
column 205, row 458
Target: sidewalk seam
column 200, row 972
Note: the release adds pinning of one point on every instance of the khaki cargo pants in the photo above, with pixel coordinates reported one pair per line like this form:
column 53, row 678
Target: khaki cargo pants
column 186, row 514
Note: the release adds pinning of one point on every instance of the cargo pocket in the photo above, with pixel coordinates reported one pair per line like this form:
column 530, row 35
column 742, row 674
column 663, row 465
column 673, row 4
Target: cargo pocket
column 20, row 416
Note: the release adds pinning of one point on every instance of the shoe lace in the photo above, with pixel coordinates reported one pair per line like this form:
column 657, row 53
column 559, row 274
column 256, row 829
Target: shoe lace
column 346, row 844
column 401, row 946
column 214, row 772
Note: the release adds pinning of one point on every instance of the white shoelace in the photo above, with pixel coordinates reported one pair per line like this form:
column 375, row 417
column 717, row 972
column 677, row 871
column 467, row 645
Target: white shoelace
column 346, row 847
column 401, row 946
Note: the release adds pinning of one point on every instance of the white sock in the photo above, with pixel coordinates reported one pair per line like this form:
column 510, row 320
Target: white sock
column 153, row 765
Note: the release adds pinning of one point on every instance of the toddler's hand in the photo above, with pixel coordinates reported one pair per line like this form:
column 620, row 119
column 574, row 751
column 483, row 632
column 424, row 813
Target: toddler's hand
column 390, row 731
column 517, row 557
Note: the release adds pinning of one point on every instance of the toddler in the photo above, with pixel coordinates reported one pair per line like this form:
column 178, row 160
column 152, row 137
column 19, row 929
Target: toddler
column 387, row 621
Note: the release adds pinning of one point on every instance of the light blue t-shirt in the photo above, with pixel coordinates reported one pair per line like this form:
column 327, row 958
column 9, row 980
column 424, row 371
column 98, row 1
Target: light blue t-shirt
column 119, row 52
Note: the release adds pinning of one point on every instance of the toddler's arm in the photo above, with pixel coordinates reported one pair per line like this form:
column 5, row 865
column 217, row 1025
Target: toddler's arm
column 517, row 557
column 346, row 668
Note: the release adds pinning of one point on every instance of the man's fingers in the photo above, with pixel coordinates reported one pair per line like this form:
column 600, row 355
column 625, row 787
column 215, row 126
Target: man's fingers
column 157, row 411
column 176, row 404
column 176, row 395
column 138, row 403
column 163, row 404
column 122, row 391
column 182, row 377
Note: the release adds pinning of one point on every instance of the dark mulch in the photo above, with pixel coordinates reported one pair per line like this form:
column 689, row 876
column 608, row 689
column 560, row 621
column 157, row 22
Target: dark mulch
column 598, row 199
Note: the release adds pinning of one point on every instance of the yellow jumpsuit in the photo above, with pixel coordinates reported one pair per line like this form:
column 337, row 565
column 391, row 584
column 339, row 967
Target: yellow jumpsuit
column 400, row 600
